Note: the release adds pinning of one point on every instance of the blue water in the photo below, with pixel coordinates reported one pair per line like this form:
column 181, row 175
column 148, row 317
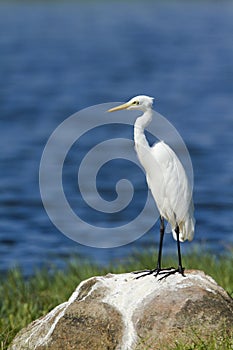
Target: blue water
column 59, row 58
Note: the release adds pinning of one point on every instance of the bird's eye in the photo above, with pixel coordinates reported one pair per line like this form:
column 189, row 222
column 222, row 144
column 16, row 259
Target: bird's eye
column 135, row 102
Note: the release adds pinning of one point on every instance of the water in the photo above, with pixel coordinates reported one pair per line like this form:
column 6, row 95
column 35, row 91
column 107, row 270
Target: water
column 59, row 58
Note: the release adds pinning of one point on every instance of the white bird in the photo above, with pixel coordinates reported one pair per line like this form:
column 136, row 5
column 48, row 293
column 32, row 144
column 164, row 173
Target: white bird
column 167, row 180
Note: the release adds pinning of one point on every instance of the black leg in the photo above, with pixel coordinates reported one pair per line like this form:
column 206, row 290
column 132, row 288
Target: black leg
column 159, row 262
column 157, row 270
column 180, row 268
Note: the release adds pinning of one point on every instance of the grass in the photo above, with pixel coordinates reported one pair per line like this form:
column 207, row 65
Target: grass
column 22, row 301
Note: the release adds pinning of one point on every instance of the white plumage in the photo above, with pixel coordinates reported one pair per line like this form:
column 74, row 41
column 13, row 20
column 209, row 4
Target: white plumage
column 166, row 178
column 172, row 193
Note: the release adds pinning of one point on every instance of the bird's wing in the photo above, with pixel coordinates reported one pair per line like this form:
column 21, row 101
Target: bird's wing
column 169, row 184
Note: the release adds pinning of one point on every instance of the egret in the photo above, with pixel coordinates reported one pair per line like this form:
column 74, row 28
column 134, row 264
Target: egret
column 167, row 180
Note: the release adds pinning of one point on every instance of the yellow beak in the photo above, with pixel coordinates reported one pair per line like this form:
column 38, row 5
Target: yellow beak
column 119, row 108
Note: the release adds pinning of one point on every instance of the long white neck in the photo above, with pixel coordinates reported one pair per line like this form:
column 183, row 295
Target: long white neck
column 141, row 143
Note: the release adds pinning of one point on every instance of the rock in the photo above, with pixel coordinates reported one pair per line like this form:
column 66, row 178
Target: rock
column 124, row 313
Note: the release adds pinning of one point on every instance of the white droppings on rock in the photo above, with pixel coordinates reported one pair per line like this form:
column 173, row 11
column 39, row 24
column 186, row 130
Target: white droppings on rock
column 43, row 321
column 123, row 288
column 202, row 280
column 57, row 314
column 122, row 291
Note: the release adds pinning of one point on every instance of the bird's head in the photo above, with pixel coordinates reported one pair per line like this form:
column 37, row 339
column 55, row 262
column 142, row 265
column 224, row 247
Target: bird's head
column 140, row 103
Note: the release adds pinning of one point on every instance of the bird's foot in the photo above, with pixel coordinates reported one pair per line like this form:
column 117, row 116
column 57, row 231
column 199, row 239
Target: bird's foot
column 146, row 273
column 171, row 271
column 154, row 272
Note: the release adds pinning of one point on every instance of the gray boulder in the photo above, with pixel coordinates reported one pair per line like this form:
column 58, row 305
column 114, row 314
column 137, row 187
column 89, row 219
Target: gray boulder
column 125, row 313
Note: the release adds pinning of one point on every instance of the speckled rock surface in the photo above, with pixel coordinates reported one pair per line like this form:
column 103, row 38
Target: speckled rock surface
column 124, row 313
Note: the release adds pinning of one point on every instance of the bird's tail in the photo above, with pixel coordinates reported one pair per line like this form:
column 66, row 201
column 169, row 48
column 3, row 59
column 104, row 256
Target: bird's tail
column 186, row 229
